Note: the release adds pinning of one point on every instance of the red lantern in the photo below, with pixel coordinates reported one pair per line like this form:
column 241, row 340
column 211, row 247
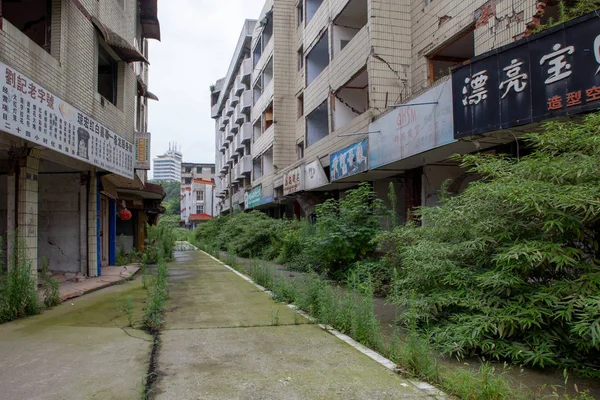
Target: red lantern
column 125, row 214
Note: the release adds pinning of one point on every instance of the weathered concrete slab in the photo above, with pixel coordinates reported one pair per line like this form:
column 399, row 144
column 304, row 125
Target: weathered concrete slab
column 78, row 350
column 225, row 339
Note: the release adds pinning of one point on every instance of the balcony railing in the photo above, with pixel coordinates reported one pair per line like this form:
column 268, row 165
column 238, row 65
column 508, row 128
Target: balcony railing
column 246, row 70
column 238, row 86
column 246, row 101
column 246, row 165
column 234, row 101
column 238, row 115
column 214, row 111
column 246, row 131
column 228, row 133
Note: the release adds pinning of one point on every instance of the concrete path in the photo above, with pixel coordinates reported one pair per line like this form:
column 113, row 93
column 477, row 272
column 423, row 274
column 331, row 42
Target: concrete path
column 225, row 339
column 110, row 276
column 78, row 350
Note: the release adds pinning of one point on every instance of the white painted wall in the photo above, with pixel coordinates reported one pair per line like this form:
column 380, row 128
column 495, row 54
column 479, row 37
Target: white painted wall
column 343, row 115
column 341, row 33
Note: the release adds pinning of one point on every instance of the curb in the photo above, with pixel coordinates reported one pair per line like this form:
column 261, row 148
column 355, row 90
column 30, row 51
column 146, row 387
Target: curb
column 105, row 285
column 386, row 363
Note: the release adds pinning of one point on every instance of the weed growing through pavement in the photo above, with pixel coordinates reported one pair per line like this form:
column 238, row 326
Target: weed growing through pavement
column 50, row 286
column 157, row 291
column 125, row 306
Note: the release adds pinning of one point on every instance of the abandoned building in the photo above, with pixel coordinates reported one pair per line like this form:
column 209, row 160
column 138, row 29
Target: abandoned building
column 380, row 92
column 74, row 146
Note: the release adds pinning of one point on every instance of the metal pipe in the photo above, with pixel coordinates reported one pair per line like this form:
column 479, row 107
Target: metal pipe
column 412, row 104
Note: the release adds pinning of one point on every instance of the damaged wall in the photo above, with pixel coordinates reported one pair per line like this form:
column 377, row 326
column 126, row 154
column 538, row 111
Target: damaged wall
column 59, row 221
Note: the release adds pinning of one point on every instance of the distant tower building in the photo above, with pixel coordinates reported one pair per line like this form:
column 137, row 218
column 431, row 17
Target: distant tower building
column 167, row 167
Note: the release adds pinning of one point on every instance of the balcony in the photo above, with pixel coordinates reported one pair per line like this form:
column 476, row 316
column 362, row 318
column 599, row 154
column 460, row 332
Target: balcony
column 224, row 140
column 239, row 116
column 246, row 70
column 246, row 101
column 239, row 146
column 238, row 176
column 238, row 198
column 222, row 124
column 246, row 165
column 234, row 101
column 246, row 132
column 225, row 118
column 238, row 86
column 228, row 133
column 214, row 111
column 234, row 127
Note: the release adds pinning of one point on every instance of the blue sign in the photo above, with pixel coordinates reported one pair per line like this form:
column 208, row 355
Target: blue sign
column 268, row 199
column 349, row 161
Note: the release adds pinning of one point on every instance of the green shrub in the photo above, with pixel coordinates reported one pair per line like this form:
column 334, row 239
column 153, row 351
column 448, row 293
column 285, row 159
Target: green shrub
column 161, row 244
column 509, row 268
column 345, row 230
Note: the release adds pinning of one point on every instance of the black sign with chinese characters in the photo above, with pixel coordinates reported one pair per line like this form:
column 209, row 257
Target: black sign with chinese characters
column 553, row 73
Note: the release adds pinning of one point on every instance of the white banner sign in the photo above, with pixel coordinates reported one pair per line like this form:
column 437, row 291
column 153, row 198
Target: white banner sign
column 293, row 180
column 314, row 175
column 34, row 114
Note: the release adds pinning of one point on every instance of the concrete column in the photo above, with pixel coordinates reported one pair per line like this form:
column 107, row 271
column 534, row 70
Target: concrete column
column 27, row 207
column 92, row 226
column 112, row 222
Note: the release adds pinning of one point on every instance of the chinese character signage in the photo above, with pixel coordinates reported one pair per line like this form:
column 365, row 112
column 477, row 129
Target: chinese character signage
column 551, row 74
column 349, row 161
column 314, row 175
column 255, row 197
column 293, row 181
column 142, row 150
column 413, row 129
column 34, row 114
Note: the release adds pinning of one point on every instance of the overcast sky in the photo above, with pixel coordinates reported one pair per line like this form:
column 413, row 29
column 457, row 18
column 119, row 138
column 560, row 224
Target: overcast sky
column 198, row 40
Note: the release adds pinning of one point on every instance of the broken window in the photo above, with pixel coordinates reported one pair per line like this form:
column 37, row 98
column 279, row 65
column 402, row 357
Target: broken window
column 300, row 58
column 257, row 168
column 267, row 161
column 456, row 51
column 107, row 74
column 267, row 74
column 300, row 105
column 257, row 52
column 351, row 100
column 300, row 12
column 33, row 18
column 317, row 59
column 300, row 150
column 317, row 124
column 268, row 117
column 350, row 21
column 311, row 8
column 257, row 129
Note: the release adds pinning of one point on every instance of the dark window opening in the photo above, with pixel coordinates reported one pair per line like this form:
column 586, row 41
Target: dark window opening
column 33, row 18
column 458, row 50
column 257, row 130
column 267, row 32
column 214, row 97
column 300, row 12
column 317, row 59
column 257, row 168
column 268, row 116
column 267, row 74
column 188, row 181
column 257, row 91
column 300, row 58
column 317, row 124
column 199, row 170
column 300, row 105
column 257, row 52
column 311, row 8
column 348, row 23
column 300, row 150
column 107, row 75
column 351, row 100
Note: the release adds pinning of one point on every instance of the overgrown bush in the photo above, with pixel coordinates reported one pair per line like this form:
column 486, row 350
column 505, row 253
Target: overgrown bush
column 157, row 294
column 345, row 230
column 509, row 268
column 124, row 258
column 161, row 243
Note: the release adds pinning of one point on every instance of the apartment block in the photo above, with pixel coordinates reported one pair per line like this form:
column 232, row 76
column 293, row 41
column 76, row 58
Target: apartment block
column 190, row 171
column 350, row 91
column 197, row 202
column 167, row 166
column 74, row 141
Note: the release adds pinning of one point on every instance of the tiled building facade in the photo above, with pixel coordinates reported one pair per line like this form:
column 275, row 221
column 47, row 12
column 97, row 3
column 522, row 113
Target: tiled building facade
column 74, row 78
column 330, row 74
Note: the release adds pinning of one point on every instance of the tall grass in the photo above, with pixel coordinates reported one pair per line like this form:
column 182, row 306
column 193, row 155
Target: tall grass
column 18, row 287
column 157, row 294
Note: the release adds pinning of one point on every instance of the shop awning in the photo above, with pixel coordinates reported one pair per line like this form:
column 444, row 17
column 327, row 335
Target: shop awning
column 149, row 19
column 124, row 50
